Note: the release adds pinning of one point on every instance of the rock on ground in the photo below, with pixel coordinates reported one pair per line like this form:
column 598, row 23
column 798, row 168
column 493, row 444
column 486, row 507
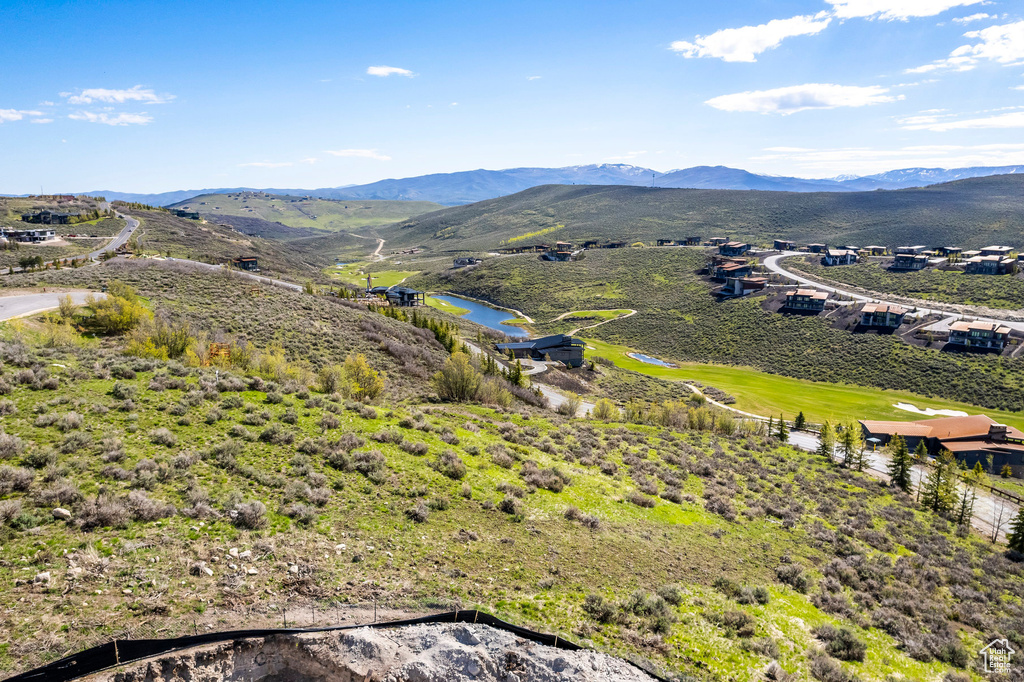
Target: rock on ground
column 414, row 653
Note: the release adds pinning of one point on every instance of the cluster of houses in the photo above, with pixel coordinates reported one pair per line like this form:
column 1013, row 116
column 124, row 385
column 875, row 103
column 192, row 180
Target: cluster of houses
column 465, row 262
column 736, row 275
column 47, row 217
column 398, row 295
column 34, row 236
column 972, row 439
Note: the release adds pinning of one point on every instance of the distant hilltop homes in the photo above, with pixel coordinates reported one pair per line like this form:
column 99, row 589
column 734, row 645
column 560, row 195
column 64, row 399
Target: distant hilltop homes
column 37, row 236
column 48, row 218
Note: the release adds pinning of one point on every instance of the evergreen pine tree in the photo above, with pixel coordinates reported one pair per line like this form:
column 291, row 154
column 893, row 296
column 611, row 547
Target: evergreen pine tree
column 800, row 422
column 771, row 424
column 965, row 503
column 899, row 466
column 852, row 436
column 783, row 432
column 940, row 486
column 1015, row 538
column 826, row 441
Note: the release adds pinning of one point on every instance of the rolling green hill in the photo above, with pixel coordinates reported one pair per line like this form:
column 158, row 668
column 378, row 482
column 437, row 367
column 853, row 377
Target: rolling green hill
column 678, row 319
column 197, row 496
column 967, row 213
column 303, row 212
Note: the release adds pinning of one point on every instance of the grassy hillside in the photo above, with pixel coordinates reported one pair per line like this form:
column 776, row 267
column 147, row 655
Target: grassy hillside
column 934, row 285
column 678, row 319
column 967, row 213
column 309, row 213
column 206, row 496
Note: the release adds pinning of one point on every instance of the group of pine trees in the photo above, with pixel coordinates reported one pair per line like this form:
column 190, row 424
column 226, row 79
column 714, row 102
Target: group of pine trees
column 843, row 444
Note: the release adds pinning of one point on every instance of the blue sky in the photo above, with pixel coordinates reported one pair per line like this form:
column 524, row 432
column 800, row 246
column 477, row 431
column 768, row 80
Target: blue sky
column 155, row 96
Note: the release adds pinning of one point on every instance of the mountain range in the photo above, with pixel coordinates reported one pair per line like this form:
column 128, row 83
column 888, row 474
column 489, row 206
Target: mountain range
column 466, row 187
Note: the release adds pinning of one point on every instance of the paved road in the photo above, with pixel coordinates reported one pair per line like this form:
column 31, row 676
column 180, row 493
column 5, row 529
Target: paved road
column 772, row 263
column 131, row 224
column 987, row 506
column 26, row 304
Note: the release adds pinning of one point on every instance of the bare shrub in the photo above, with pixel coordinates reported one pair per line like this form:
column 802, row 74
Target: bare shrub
column 415, row 447
column 103, row 512
column 7, row 407
column 418, row 512
column 450, row 464
column 553, row 479
column 372, row 464
column 75, row 441
column 300, row 513
column 143, row 508
column 249, row 515
column 640, row 499
column 10, row 446
column 163, row 436
column 15, row 479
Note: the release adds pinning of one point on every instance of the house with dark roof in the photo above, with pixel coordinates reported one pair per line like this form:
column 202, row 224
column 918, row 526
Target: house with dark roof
column 971, row 439
column 733, row 248
column 817, row 248
column 996, row 251
column 400, row 296
column 783, row 245
column 48, row 218
column 909, row 261
column 558, row 347
column 741, row 286
column 247, row 263
column 875, row 250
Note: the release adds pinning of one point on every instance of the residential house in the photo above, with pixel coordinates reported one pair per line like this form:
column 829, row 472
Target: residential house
column 405, row 297
column 817, row 248
column 48, row 218
column 465, row 262
column 668, row 242
column 875, row 250
column 691, row 241
column 733, row 248
column 783, row 245
column 952, row 252
column 911, row 250
column 558, row 347
column 971, row 439
column 614, row 245
column 741, row 286
column 990, row 265
column 590, row 244
column 978, row 335
column 909, row 261
column 996, row 251
column 884, row 315
column 718, row 241
column 730, row 267
column 248, row 263
column 809, row 300
column 28, row 236
column 969, row 254
column 839, row 257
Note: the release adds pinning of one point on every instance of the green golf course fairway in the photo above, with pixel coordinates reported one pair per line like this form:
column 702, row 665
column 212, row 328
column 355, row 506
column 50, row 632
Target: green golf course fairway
column 770, row 394
column 446, row 306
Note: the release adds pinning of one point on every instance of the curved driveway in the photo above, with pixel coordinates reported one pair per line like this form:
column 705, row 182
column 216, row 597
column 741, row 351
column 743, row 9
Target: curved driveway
column 772, row 263
column 27, row 304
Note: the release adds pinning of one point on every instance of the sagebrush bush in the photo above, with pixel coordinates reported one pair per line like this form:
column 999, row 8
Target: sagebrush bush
column 249, row 515
column 10, row 445
column 163, row 437
column 102, row 512
column 450, row 464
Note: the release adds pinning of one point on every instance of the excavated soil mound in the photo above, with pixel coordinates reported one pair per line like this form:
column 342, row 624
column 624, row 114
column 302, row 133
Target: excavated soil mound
column 414, row 653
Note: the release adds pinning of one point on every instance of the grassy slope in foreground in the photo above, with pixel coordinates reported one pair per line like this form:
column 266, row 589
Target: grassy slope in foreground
column 770, row 394
column 322, row 214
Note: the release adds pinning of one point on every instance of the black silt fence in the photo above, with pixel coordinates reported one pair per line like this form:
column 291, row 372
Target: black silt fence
column 119, row 652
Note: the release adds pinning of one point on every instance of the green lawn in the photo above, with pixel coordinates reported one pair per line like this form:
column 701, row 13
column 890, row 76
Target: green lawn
column 353, row 273
column 446, row 306
column 769, row 394
column 603, row 314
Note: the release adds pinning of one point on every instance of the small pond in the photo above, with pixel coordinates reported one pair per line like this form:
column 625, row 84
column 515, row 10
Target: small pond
column 649, row 360
column 486, row 316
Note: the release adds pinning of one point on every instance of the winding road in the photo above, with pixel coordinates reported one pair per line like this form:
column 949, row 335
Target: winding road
column 29, row 304
column 772, row 263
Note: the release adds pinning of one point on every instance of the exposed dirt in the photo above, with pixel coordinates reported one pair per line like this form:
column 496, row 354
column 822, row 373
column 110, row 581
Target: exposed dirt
column 415, row 653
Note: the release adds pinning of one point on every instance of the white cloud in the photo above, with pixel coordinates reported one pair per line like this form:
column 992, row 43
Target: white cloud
column 359, row 154
column 310, row 160
column 533, row 78
column 1013, row 119
column 385, row 71
column 745, row 43
column 794, row 98
column 894, row 9
column 973, row 17
column 1018, row 87
column 111, row 120
column 265, row 164
column 16, row 114
column 1003, row 44
column 41, row 120
column 135, row 94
